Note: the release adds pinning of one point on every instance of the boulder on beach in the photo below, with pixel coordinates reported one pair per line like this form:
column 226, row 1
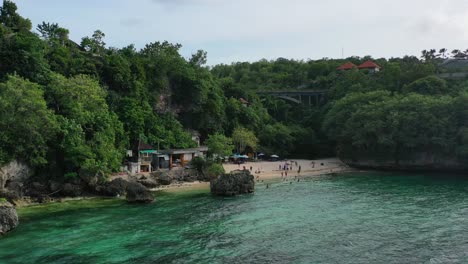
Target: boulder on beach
column 115, row 187
column 149, row 183
column 8, row 217
column 233, row 183
column 137, row 193
column 164, row 179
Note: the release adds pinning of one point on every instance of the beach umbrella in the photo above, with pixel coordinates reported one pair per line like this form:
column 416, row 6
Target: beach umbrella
column 260, row 154
column 244, row 156
column 274, row 156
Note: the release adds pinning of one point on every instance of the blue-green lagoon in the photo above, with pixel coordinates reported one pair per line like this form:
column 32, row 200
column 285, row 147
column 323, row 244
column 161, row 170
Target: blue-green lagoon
column 369, row 217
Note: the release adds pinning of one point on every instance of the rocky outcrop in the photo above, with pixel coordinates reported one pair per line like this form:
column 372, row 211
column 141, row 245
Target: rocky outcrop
column 92, row 179
column 14, row 171
column 415, row 162
column 233, row 183
column 116, row 187
column 71, row 190
column 137, row 193
column 38, row 191
column 164, row 179
column 148, row 182
column 8, row 217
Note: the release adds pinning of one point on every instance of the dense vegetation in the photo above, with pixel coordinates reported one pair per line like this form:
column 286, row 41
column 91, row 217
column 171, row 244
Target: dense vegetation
column 68, row 108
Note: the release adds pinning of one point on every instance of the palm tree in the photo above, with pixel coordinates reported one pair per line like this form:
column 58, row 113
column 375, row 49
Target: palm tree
column 424, row 54
column 455, row 53
column 443, row 53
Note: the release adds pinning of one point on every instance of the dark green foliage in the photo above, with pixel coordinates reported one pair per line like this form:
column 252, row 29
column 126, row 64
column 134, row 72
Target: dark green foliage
column 430, row 85
column 92, row 136
column 214, row 170
column 392, row 127
column 26, row 125
column 12, row 20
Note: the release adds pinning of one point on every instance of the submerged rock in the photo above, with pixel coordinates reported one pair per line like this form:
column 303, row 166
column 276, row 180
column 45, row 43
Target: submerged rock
column 137, row 193
column 8, row 217
column 233, row 183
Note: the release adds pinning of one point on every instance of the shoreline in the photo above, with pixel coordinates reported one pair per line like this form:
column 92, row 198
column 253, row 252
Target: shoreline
column 261, row 170
column 267, row 170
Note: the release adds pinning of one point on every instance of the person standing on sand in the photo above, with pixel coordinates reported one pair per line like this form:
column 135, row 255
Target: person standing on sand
column 250, row 168
column 299, row 170
column 286, row 173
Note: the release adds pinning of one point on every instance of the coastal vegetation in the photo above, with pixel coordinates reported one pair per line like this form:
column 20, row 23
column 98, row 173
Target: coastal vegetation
column 69, row 109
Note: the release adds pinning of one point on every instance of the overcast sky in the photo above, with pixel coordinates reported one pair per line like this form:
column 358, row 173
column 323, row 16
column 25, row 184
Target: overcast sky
column 249, row 30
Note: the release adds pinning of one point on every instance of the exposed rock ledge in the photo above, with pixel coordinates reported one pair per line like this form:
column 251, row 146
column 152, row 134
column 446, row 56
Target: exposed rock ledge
column 419, row 162
column 134, row 191
column 233, row 183
column 8, row 217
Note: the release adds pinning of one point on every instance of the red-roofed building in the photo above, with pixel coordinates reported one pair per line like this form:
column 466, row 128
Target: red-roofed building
column 369, row 65
column 346, row 66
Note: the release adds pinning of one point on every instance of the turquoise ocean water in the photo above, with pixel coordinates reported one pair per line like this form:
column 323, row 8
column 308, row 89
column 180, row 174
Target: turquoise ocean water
column 369, row 217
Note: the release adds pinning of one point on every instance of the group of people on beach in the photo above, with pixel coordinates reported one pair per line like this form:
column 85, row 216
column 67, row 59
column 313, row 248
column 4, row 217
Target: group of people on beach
column 288, row 166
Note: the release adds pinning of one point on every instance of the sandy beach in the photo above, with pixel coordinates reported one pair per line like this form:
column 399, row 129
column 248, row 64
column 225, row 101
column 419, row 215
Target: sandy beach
column 271, row 169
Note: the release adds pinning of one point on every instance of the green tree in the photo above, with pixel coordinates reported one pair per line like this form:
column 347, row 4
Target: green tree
column 9, row 18
column 95, row 43
column 26, row 125
column 243, row 138
column 430, row 85
column 219, row 145
column 92, row 137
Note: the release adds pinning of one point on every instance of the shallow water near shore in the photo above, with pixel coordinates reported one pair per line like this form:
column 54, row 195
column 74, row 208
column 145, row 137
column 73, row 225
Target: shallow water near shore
column 368, row 217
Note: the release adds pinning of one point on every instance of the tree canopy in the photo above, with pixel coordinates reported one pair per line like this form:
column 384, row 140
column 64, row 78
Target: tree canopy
column 68, row 107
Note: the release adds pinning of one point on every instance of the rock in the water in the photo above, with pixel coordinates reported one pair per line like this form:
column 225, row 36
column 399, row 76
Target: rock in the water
column 164, row 179
column 233, row 183
column 137, row 193
column 113, row 188
column 8, row 217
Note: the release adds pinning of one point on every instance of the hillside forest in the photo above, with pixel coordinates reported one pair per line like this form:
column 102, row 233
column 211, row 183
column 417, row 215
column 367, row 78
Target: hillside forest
column 68, row 108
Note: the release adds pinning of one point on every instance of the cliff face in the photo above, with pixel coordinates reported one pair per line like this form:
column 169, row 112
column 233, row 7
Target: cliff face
column 415, row 162
column 14, row 171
